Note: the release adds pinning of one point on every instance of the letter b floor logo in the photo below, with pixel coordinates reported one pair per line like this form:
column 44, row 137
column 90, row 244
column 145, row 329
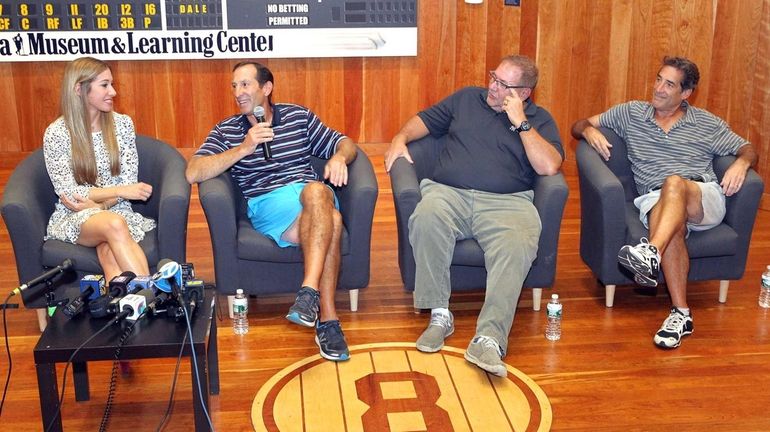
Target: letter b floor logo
column 394, row 387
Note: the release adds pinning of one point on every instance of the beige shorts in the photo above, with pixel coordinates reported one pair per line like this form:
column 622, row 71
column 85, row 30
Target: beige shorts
column 712, row 199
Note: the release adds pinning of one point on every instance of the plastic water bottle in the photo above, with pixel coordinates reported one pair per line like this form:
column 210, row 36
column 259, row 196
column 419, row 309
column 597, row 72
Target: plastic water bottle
column 240, row 313
column 764, row 290
column 553, row 329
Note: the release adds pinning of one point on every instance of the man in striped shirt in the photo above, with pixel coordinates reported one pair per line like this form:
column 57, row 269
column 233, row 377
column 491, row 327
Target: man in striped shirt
column 671, row 146
column 269, row 158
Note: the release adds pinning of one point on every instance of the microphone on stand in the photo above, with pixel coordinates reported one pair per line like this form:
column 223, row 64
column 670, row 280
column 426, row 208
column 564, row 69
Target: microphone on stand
column 66, row 265
column 259, row 114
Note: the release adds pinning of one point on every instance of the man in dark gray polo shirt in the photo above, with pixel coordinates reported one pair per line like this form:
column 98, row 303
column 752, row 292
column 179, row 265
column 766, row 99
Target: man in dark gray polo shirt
column 671, row 146
column 496, row 142
column 270, row 161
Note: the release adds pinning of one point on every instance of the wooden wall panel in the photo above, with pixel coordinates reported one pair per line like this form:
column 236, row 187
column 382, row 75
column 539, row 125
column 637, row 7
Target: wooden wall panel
column 9, row 138
column 618, row 54
column 592, row 54
column 354, row 76
column 759, row 128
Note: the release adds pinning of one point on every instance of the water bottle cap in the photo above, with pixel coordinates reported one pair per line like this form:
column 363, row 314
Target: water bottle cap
column 555, row 296
column 239, row 291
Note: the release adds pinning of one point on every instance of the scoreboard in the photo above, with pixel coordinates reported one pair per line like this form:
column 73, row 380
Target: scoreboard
column 79, row 16
column 45, row 30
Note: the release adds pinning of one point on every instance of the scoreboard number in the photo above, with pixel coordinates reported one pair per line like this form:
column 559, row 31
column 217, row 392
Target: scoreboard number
column 102, row 9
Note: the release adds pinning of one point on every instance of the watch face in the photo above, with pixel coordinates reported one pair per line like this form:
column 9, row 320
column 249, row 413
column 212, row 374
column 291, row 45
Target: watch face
column 524, row 126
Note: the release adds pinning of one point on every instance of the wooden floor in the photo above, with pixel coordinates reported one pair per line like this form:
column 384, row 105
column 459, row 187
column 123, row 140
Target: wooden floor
column 604, row 375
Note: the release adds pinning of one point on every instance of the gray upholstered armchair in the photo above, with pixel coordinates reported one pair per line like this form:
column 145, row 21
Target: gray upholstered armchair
column 467, row 270
column 244, row 258
column 29, row 199
column 609, row 219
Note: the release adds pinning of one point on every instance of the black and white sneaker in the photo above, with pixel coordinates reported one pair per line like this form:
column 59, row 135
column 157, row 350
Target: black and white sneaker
column 676, row 326
column 643, row 261
column 331, row 340
column 304, row 311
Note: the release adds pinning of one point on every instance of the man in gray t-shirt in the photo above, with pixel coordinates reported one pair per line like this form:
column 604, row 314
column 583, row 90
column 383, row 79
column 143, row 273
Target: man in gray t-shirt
column 671, row 146
column 495, row 141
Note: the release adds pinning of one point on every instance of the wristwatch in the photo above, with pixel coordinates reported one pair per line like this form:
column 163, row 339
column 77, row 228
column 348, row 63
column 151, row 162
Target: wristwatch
column 523, row 127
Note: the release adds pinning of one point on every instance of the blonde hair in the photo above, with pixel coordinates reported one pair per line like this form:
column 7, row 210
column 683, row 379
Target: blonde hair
column 74, row 108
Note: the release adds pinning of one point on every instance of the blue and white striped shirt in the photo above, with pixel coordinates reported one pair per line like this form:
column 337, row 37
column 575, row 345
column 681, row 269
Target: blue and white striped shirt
column 298, row 134
column 687, row 150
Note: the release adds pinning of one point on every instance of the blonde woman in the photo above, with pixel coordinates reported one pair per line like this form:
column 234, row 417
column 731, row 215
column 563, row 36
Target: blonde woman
column 91, row 158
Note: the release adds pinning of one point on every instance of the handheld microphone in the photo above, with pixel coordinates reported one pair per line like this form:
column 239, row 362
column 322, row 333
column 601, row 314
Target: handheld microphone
column 103, row 306
column 91, row 288
column 66, row 265
column 259, row 114
column 169, row 276
column 139, row 283
column 161, row 299
column 188, row 271
column 134, row 305
column 95, row 283
column 119, row 284
column 191, row 294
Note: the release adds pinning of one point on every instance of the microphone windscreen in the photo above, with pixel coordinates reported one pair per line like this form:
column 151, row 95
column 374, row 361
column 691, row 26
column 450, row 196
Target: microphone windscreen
column 163, row 262
column 259, row 113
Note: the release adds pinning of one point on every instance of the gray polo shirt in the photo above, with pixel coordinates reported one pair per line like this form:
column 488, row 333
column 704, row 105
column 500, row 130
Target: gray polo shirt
column 687, row 150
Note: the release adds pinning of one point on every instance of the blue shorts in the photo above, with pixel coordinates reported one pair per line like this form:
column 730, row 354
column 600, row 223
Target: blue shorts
column 273, row 213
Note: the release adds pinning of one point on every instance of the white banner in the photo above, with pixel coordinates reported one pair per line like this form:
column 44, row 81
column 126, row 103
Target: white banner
column 223, row 44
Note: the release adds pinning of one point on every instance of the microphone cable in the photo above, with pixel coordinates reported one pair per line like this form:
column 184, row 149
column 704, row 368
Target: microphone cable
column 69, row 361
column 173, row 387
column 195, row 365
column 114, row 374
column 8, row 349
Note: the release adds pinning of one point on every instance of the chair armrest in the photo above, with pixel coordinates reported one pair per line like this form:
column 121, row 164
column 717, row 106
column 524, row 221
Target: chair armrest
column 742, row 206
column 173, row 192
column 602, row 214
column 361, row 191
column 406, row 188
column 218, row 200
column 28, row 201
column 406, row 195
column 357, row 200
column 550, row 197
column 26, row 227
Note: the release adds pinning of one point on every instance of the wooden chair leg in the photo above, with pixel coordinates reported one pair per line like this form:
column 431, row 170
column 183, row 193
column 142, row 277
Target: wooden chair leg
column 353, row 300
column 537, row 295
column 609, row 295
column 42, row 319
column 723, row 286
column 230, row 300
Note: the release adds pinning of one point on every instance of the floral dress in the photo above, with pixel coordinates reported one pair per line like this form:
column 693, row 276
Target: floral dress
column 65, row 224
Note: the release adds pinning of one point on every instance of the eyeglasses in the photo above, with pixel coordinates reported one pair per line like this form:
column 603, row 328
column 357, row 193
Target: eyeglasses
column 493, row 79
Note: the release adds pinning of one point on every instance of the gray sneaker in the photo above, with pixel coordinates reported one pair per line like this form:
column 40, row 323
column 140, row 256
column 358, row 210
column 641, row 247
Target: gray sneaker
column 485, row 353
column 441, row 327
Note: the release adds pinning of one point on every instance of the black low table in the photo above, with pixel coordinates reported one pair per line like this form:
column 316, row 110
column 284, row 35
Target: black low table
column 152, row 337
